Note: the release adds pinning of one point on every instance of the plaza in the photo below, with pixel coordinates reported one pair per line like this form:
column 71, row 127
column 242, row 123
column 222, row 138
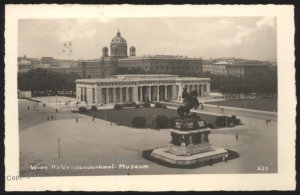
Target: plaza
column 117, row 149
column 139, row 88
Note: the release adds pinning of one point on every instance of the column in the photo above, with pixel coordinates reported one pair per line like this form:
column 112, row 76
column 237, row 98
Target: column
column 157, row 93
column 149, row 93
column 99, row 95
column 107, row 95
column 114, row 96
column 166, row 92
column 207, row 89
column 127, row 94
column 135, row 94
column 141, row 94
column 179, row 92
column 202, row 94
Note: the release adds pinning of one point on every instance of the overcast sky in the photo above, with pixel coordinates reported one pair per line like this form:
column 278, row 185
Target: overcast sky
column 245, row 37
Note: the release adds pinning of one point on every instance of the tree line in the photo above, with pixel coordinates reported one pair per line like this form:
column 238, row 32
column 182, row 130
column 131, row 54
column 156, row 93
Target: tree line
column 41, row 80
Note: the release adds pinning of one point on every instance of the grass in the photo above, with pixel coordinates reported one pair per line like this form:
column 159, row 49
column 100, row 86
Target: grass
column 125, row 116
column 269, row 104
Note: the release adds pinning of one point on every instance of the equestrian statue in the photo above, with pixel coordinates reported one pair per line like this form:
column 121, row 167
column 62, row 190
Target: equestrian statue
column 189, row 101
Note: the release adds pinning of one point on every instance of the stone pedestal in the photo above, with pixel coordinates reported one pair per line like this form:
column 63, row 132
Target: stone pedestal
column 189, row 145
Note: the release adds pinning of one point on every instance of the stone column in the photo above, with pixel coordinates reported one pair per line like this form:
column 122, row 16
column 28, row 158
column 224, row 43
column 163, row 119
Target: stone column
column 141, row 94
column 114, row 96
column 127, row 94
column 157, row 93
column 99, row 95
column 180, row 90
column 207, row 89
column 198, row 88
column 135, row 94
column 107, row 95
column 96, row 95
column 166, row 92
column 202, row 90
column 149, row 93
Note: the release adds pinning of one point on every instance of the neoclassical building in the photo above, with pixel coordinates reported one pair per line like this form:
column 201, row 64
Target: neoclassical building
column 108, row 65
column 138, row 88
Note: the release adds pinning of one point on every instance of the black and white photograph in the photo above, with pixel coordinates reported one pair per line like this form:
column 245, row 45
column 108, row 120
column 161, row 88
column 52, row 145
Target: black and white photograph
column 148, row 96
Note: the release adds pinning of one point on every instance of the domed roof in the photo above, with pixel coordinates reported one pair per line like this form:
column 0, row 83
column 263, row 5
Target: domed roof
column 118, row 39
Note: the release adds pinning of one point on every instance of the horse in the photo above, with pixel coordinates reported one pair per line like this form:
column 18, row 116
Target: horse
column 189, row 101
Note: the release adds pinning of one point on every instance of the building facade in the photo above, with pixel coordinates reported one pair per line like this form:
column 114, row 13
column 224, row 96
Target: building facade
column 108, row 65
column 243, row 70
column 139, row 88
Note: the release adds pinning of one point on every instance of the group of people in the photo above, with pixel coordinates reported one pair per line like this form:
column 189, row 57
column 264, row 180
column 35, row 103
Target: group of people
column 268, row 121
column 50, row 117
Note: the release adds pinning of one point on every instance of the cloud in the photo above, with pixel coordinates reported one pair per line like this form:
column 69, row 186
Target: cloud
column 266, row 22
column 242, row 33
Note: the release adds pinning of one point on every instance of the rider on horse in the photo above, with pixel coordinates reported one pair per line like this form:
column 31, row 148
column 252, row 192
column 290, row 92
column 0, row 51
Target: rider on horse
column 189, row 101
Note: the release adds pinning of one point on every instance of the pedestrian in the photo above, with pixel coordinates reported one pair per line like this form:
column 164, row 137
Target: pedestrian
column 94, row 117
column 237, row 136
column 33, row 106
column 202, row 106
column 56, row 110
column 47, row 117
column 28, row 107
column 267, row 122
column 226, row 158
column 76, row 119
column 222, row 109
column 110, row 123
column 51, row 117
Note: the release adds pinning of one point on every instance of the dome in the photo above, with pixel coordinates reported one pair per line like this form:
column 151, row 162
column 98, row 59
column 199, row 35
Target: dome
column 118, row 46
column 118, row 39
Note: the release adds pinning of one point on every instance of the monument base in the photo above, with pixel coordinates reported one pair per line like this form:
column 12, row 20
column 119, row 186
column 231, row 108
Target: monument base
column 204, row 158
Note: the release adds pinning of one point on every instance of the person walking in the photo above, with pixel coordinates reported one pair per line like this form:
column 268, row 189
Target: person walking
column 28, row 107
column 237, row 136
column 76, row 119
column 267, row 121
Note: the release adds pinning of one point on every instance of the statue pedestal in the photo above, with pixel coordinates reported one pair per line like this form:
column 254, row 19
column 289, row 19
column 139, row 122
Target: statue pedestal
column 190, row 145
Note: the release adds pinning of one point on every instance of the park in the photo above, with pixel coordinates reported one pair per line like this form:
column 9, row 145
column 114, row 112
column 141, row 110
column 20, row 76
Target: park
column 105, row 145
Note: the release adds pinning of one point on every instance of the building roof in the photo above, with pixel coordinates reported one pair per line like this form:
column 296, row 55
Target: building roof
column 140, row 77
column 221, row 63
column 118, row 39
column 160, row 57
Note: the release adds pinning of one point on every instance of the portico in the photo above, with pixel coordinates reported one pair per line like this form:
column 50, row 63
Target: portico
column 139, row 88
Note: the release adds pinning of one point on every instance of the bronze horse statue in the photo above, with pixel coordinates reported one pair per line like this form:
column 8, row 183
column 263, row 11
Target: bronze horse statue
column 189, row 101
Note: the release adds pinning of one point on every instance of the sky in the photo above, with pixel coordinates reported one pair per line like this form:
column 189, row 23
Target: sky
column 213, row 37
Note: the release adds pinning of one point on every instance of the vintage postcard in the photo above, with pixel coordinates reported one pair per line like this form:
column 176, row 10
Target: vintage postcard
column 149, row 98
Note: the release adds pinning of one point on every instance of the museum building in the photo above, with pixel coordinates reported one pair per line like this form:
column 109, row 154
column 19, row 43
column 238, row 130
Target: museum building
column 139, row 88
column 107, row 65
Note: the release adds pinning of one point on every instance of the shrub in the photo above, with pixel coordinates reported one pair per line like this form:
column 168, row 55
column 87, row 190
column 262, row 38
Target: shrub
column 117, row 107
column 82, row 109
column 138, row 121
column 129, row 104
column 159, row 105
column 172, row 121
column 236, row 121
column 221, row 121
column 161, row 121
column 146, row 105
column 94, row 108
column 137, row 106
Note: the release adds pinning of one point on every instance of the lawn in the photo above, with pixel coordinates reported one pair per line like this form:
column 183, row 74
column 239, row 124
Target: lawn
column 269, row 104
column 125, row 116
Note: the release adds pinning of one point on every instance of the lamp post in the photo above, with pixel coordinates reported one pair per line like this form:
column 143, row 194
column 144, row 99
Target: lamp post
column 104, row 111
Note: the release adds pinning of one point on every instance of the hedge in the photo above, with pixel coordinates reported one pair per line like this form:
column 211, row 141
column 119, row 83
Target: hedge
column 82, row 109
column 161, row 121
column 117, row 107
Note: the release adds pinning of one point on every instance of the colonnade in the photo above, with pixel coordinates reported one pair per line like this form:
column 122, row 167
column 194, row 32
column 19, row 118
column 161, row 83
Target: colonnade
column 141, row 93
